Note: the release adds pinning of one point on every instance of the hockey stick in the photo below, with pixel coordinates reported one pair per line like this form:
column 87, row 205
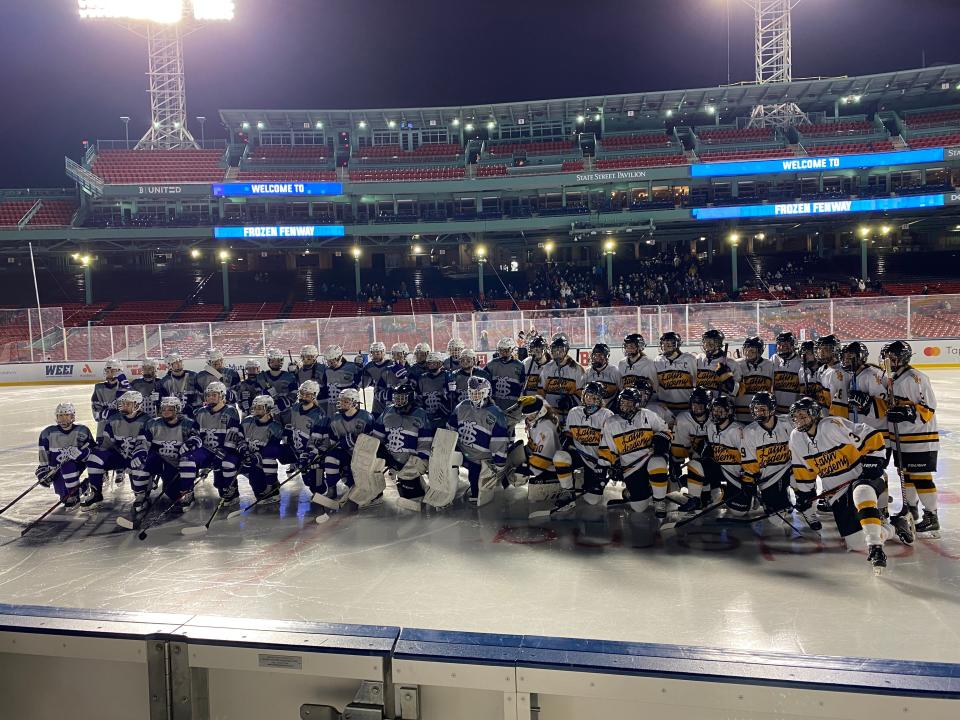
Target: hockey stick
column 51, row 473
column 241, row 511
column 540, row 514
column 192, row 530
column 36, row 522
column 888, row 368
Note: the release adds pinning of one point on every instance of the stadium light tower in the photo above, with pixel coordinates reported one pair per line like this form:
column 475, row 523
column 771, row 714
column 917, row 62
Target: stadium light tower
column 164, row 23
column 773, row 59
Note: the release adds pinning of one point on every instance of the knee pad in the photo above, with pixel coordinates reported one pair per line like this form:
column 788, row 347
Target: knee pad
column 864, row 494
column 695, row 471
column 562, row 461
column 456, row 458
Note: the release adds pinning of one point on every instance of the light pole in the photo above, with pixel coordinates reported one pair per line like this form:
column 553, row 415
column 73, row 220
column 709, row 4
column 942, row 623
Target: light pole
column 356, row 252
column 201, row 119
column 548, row 249
column 125, row 119
column 87, row 262
column 481, row 254
column 734, row 241
column 610, row 249
column 224, row 257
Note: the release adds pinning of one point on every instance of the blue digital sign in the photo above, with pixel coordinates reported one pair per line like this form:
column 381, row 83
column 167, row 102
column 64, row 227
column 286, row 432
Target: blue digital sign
column 257, row 189
column 278, row 231
column 817, row 164
column 822, row 207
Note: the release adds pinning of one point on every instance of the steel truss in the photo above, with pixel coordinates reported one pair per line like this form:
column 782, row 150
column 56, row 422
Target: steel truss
column 773, row 60
column 167, row 90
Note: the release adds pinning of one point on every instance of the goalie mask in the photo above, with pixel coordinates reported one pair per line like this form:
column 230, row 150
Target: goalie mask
column 753, row 349
column 633, row 345
column 420, row 352
column 805, row 413
column 600, row 356
column 402, row 395
column 148, row 369
column 348, row 399
column 170, row 407
column 175, row 362
column 786, row 345
column 434, row 362
column 131, row 402
column 592, row 396
column 468, row 359
column 274, row 359
column 215, row 393
column 309, row 353
column 478, row 390
column 722, row 410
column 898, row 354
column 378, row 351
column 455, row 347
column 712, row 343
column 670, row 343
column 66, row 414
column 262, row 406
column 505, row 348
column 215, row 359
column 763, row 406
column 251, row 368
column 308, row 391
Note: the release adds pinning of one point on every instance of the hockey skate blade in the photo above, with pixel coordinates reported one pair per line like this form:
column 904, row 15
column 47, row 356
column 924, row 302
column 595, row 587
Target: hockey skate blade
column 321, row 519
column 194, row 530
column 324, row 501
column 125, row 522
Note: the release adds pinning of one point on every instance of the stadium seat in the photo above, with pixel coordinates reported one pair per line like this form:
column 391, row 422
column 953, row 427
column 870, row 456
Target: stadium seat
column 137, row 166
column 637, row 161
column 847, row 148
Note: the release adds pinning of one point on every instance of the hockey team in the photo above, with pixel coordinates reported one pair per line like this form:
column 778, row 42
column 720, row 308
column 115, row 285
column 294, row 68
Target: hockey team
column 810, row 430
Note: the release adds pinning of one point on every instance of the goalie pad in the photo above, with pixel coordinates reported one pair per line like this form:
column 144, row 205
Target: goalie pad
column 543, row 489
column 367, row 470
column 490, row 477
column 444, row 477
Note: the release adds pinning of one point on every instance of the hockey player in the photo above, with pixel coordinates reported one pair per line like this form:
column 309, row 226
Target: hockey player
column 913, row 427
column 373, row 377
column 508, row 380
column 534, row 364
column 454, row 348
column 635, row 364
column 339, row 374
column 346, row 425
column 216, row 372
column 278, row 383
column 767, row 469
column 259, row 448
column 848, row 458
column 123, row 446
column 170, row 439
column 603, row 372
column 714, row 371
column 105, row 394
column 560, row 379
column 64, row 448
column 308, row 368
column 752, row 374
column 436, row 389
column 676, row 373
column 720, row 461
column 468, row 369
column 219, row 428
column 808, row 374
column 180, row 383
column 786, row 372
column 307, row 434
column 481, row 427
column 581, row 448
column 636, row 446
column 536, row 456
column 250, row 386
column 420, row 352
column 405, row 435
column 690, row 434
column 866, row 388
column 832, row 378
column 149, row 387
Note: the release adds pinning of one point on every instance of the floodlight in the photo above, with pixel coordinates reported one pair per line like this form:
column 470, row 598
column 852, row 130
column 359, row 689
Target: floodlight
column 609, row 246
column 205, row 10
column 469, row 127
column 75, row 256
column 711, row 109
column 548, row 246
column 355, row 251
column 84, row 260
column 194, row 253
column 885, row 229
column 319, row 125
column 580, row 118
column 491, row 125
column 417, row 249
column 223, row 255
column 362, row 124
column 260, row 125
column 158, row 11
column 734, row 238
column 480, row 252
column 669, row 113
column 864, row 231
column 391, row 123
column 455, row 122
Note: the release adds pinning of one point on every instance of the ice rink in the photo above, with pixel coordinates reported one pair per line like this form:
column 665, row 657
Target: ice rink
column 489, row 570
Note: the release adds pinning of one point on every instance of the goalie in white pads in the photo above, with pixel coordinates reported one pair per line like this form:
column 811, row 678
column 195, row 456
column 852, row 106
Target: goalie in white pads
column 481, row 428
column 581, row 448
column 405, row 436
column 532, row 462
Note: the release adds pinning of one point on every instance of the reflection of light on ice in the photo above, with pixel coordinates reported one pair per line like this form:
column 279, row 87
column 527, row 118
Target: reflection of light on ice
column 490, row 571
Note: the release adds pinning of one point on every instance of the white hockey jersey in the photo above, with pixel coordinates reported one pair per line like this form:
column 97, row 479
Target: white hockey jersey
column 630, row 442
column 560, row 384
column 751, row 378
column 586, row 430
column 786, row 380
column 675, row 380
column 870, row 380
column 543, row 442
column 912, row 387
column 532, row 369
column 641, row 367
column 766, row 453
column 833, row 454
column 833, row 380
column 726, row 448
column 689, row 435
column 609, row 377
column 707, row 376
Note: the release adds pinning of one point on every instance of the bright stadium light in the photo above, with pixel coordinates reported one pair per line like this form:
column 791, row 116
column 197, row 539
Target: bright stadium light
column 158, row 11
column 885, row 229
column 491, row 125
column 469, row 127
column 223, row 255
column 455, row 122
column 356, row 251
column 580, row 119
column 480, row 252
column 391, row 123
column 362, row 124
column 194, row 253
column 417, row 249
column 208, row 10
column 864, row 231
column 319, row 125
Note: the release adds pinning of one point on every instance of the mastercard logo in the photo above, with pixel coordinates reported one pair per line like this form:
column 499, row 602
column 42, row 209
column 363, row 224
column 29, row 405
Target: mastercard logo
column 931, row 351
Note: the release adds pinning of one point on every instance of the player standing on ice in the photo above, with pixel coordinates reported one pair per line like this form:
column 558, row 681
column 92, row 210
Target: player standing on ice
column 580, row 448
column 308, row 368
column 714, row 371
column 346, row 425
column 454, row 348
column 635, row 364
column 64, row 448
column 373, row 375
column 603, row 372
column 786, row 372
column 752, row 374
column 913, row 426
column 508, row 380
column 436, row 388
column 636, row 447
column 676, row 373
column 105, row 394
column 420, row 352
column 216, row 372
column 467, row 369
column 399, row 369
column 278, row 383
column 307, row 435
column 260, row 448
column 832, row 378
column 481, row 428
column 180, row 383
column 149, row 387
column 339, row 374
column 561, row 378
column 123, row 446
column 848, row 458
column 170, row 438
column 405, row 434
column 219, row 428
column 249, row 387
column 866, row 388
column 534, row 363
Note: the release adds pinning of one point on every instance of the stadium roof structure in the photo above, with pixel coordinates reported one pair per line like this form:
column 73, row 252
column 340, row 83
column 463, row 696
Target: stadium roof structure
column 811, row 94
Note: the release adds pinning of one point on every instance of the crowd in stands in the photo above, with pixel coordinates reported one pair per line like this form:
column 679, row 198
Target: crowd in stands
column 666, row 279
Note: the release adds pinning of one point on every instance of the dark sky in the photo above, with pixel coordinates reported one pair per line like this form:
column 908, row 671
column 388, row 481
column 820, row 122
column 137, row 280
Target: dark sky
column 64, row 79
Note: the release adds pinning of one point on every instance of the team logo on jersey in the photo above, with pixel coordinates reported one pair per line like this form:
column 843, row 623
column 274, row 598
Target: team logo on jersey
column 394, row 439
column 468, row 432
column 786, row 381
column 752, row 384
column 560, row 386
column 432, row 402
column 726, row 455
column 169, row 448
column 586, row 435
column 675, row 380
column 501, row 387
column 633, row 440
column 707, row 379
column 777, row 454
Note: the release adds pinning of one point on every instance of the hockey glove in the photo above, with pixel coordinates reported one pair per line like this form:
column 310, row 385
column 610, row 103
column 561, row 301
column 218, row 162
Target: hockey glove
column 661, row 446
column 44, row 476
column 859, row 400
column 137, row 461
column 902, row 413
column 872, row 467
column 804, row 500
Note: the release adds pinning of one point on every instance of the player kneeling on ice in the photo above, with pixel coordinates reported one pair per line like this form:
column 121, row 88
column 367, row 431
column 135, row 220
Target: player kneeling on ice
column 306, row 435
column 64, row 448
column 719, row 463
column 405, row 436
column 581, row 448
column 259, row 448
column 849, row 459
column 169, row 440
column 346, row 425
column 482, row 440
column 532, row 463
column 123, row 447
column 219, row 428
column 636, row 446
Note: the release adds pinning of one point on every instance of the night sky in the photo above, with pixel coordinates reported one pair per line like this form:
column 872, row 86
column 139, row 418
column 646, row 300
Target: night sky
column 64, row 79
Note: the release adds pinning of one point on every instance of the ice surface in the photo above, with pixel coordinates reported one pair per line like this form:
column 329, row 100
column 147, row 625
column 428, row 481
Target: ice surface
column 489, row 570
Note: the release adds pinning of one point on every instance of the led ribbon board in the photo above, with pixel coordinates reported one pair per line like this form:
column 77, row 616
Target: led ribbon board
column 258, row 189
column 822, row 207
column 817, row 164
column 278, row 231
